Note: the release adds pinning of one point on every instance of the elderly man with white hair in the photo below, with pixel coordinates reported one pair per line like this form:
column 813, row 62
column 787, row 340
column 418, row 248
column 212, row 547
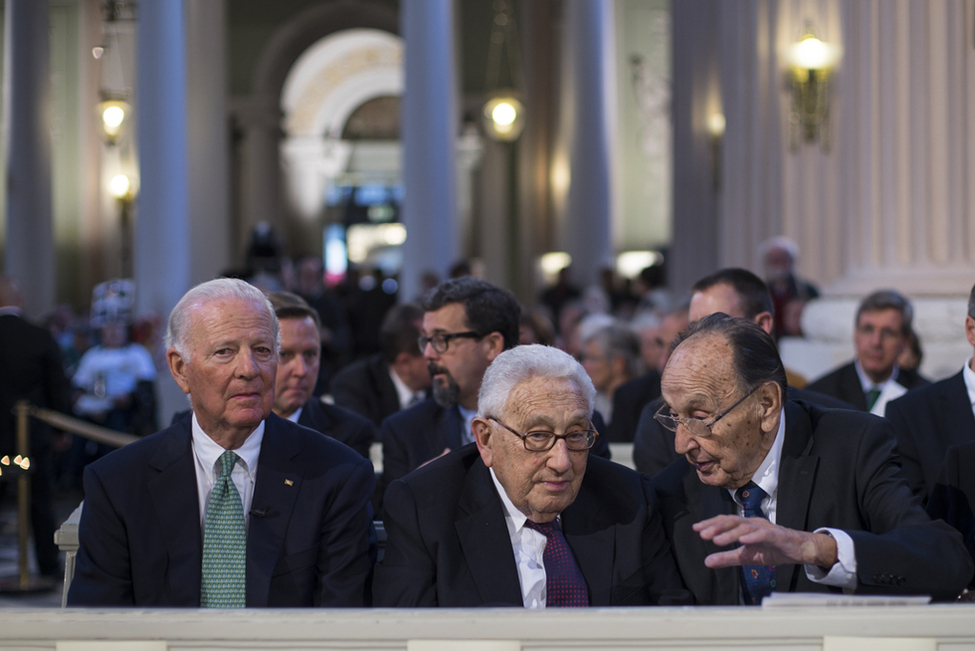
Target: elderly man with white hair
column 235, row 506
column 525, row 516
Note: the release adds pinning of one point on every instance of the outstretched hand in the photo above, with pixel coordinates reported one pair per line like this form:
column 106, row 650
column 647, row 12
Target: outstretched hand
column 764, row 543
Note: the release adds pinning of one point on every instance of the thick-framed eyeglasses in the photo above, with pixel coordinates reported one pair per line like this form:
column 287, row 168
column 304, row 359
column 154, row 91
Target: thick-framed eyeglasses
column 696, row 426
column 441, row 340
column 541, row 441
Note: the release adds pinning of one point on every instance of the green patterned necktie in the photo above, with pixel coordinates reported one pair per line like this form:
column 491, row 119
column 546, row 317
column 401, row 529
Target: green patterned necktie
column 224, row 543
column 872, row 396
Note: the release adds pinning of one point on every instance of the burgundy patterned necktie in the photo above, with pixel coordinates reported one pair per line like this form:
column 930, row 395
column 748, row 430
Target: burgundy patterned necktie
column 565, row 586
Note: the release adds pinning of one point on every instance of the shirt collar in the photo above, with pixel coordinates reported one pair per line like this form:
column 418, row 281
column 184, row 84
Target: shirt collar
column 10, row 309
column 208, row 451
column 969, row 376
column 767, row 474
column 868, row 384
column 296, row 414
column 403, row 392
column 516, row 517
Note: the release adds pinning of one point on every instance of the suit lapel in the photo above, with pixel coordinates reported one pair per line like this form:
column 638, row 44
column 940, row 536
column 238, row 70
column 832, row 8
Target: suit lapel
column 175, row 497
column 593, row 543
column 486, row 546
column 449, row 430
column 796, row 477
column 956, row 411
column 852, row 389
column 277, row 487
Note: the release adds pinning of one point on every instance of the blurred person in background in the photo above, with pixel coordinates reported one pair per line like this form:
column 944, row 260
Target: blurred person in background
column 336, row 334
column 780, row 256
column 611, row 357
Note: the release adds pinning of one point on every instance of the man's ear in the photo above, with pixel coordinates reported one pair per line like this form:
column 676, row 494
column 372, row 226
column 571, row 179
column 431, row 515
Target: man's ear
column 970, row 329
column 482, row 436
column 177, row 366
column 765, row 321
column 495, row 345
column 771, row 400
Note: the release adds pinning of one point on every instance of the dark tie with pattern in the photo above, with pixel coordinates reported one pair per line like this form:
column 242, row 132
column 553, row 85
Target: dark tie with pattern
column 565, row 587
column 223, row 582
column 758, row 581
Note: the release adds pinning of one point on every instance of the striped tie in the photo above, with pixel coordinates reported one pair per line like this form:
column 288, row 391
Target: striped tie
column 224, row 543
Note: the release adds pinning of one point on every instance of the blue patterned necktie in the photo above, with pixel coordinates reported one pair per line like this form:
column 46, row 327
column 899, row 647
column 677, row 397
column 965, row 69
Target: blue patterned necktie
column 758, row 581
column 565, row 587
column 222, row 584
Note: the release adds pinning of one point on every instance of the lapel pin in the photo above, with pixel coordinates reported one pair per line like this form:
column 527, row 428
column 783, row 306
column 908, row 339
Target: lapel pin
column 288, row 482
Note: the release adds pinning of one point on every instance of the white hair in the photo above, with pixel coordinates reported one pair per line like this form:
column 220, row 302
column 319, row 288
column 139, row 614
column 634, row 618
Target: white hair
column 219, row 289
column 522, row 363
column 780, row 242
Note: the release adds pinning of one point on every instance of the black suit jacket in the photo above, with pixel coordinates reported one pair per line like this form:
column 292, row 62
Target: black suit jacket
column 416, row 435
column 629, row 399
column 953, row 494
column 341, row 424
column 140, row 536
column 653, row 444
column 448, row 544
column 844, row 383
column 926, row 422
column 837, row 470
column 366, row 388
column 31, row 370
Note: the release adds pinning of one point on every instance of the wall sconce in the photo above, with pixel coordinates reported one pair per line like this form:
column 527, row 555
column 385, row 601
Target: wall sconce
column 114, row 115
column 812, row 62
column 716, row 125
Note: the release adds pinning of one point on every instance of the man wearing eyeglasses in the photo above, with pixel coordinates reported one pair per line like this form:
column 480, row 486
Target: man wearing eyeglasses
column 776, row 496
column 526, row 517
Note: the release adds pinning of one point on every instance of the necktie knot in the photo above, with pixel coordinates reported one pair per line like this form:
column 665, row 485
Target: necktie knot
column 751, row 495
column 227, row 462
column 544, row 528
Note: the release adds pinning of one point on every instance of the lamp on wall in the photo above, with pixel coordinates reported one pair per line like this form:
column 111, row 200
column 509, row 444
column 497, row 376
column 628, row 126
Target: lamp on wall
column 115, row 118
column 504, row 116
column 121, row 188
column 812, row 62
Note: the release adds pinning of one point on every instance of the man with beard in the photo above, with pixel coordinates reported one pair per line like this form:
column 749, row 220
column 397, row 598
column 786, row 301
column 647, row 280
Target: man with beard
column 466, row 324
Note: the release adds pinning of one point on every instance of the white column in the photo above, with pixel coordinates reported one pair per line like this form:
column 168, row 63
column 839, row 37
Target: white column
column 162, row 226
column 429, row 131
column 206, row 123
column 27, row 112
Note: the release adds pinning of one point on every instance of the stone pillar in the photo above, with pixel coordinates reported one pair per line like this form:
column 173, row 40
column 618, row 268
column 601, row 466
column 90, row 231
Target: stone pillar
column 207, row 142
column 27, row 116
column 429, row 132
column 162, row 227
column 259, row 118
column 591, row 203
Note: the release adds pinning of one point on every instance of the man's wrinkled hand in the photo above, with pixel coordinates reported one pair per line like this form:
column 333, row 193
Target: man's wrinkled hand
column 764, row 543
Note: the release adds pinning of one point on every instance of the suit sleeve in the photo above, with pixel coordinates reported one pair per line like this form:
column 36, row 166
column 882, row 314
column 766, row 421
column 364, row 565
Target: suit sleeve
column 906, row 447
column 102, row 574
column 406, row 577
column 348, row 549
column 900, row 550
column 952, row 497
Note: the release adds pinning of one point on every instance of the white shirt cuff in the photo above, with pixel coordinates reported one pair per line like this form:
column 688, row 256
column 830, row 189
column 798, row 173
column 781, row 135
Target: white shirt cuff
column 844, row 573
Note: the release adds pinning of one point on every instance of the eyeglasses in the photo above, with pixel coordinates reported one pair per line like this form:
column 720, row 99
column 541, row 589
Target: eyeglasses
column 696, row 426
column 441, row 341
column 577, row 441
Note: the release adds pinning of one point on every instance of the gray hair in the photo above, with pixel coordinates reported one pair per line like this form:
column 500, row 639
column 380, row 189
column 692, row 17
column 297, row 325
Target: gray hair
column 888, row 299
column 618, row 340
column 219, row 289
column 522, row 363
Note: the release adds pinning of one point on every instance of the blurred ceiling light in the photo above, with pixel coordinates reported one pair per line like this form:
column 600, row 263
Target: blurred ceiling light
column 504, row 118
column 629, row 264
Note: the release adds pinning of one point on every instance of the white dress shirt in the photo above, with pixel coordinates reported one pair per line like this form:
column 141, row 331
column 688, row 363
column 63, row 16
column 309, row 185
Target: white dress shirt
column 529, row 548
column 844, row 573
column 969, row 376
column 207, row 453
column 889, row 389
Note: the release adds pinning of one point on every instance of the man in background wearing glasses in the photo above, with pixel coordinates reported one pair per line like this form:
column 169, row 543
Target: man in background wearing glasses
column 525, row 517
column 786, row 496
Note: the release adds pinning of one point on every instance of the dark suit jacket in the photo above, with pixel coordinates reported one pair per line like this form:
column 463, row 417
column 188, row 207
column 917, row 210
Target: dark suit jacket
column 366, row 388
column 653, row 444
column 926, row 422
column 844, row 383
column 341, row 424
column 629, row 399
column 31, row 370
column 140, row 536
column 414, row 436
column 838, row 470
column 448, row 544
column 953, row 494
